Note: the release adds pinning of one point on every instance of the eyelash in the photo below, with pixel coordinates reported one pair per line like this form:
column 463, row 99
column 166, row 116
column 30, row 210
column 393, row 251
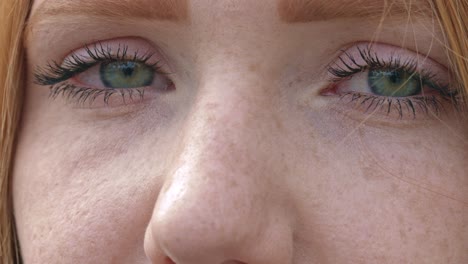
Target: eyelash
column 55, row 75
column 427, row 103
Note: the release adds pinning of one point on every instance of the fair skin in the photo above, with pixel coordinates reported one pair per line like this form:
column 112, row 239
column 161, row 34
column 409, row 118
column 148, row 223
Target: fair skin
column 249, row 157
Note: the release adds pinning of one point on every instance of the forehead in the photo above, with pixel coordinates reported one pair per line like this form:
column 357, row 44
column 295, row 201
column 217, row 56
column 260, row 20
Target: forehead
column 289, row 11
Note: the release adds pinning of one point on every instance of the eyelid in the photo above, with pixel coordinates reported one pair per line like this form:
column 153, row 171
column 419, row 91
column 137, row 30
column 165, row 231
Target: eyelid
column 72, row 80
column 356, row 61
column 120, row 49
column 424, row 65
column 110, row 50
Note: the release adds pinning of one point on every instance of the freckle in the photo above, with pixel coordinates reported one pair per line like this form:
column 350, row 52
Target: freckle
column 253, row 68
column 211, row 106
column 401, row 219
column 233, row 183
column 371, row 174
column 403, row 235
column 278, row 123
column 444, row 246
column 394, row 190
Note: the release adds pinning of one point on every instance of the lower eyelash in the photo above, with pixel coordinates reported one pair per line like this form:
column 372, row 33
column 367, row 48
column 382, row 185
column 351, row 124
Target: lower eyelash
column 85, row 94
column 371, row 103
column 434, row 103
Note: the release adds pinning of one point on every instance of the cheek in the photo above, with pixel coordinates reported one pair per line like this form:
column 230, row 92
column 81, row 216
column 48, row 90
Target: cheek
column 431, row 158
column 83, row 196
column 387, row 191
column 430, row 154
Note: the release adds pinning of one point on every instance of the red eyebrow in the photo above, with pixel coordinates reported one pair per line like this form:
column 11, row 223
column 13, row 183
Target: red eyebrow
column 171, row 10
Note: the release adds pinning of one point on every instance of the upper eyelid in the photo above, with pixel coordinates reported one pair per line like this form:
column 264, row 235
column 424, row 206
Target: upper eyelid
column 379, row 48
column 99, row 53
column 390, row 56
column 100, row 47
column 371, row 60
column 393, row 58
column 77, row 63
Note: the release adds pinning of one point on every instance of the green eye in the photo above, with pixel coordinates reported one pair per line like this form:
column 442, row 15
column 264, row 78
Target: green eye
column 393, row 83
column 126, row 74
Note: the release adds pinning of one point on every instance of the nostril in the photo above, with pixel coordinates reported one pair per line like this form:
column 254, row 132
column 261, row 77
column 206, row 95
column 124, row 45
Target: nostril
column 167, row 260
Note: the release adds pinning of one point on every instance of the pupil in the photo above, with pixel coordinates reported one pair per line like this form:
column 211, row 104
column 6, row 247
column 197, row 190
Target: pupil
column 395, row 77
column 128, row 69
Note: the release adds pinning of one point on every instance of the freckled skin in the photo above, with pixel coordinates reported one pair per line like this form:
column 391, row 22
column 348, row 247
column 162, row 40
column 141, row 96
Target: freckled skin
column 243, row 163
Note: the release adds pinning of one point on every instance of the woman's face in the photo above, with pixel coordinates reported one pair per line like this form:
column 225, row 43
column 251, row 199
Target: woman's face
column 228, row 132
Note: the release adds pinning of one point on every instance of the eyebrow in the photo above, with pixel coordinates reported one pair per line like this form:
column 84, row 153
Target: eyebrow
column 301, row 11
column 168, row 10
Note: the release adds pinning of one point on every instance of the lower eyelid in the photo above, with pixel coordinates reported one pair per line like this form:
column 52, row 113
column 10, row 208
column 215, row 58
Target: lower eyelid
column 381, row 110
column 87, row 97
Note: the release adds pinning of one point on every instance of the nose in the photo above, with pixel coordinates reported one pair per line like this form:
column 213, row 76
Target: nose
column 222, row 203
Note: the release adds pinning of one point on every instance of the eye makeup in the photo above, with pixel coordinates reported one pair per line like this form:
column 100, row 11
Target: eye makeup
column 105, row 69
column 377, row 79
column 384, row 79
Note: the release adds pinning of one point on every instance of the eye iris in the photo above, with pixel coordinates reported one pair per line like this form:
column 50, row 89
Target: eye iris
column 126, row 74
column 397, row 83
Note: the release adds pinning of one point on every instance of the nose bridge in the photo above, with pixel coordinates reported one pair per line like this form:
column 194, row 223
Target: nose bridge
column 216, row 206
column 227, row 137
column 216, row 177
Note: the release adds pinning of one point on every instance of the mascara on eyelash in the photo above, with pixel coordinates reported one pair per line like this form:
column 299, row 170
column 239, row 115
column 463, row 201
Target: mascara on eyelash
column 84, row 94
column 371, row 104
column 428, row 104
column 54, row 73
column 373, row 62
